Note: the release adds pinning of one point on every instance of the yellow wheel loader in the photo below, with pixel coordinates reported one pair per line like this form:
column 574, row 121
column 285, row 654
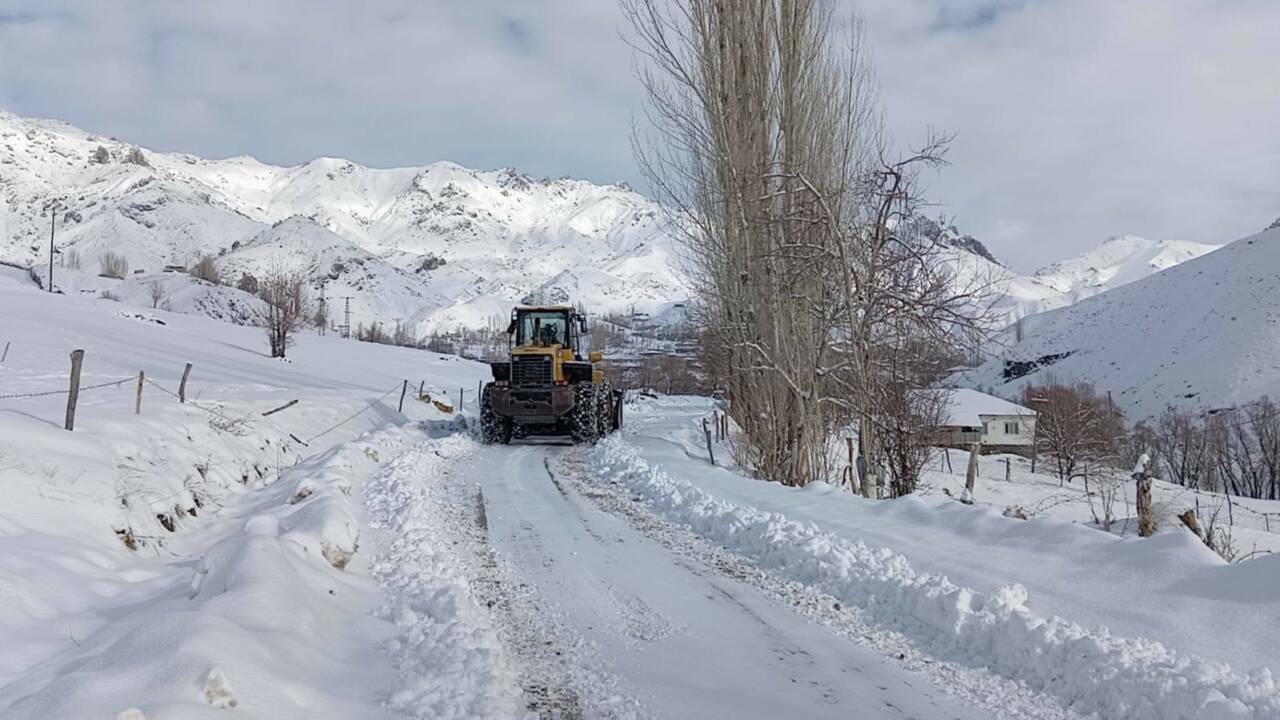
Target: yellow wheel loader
column 545, row 386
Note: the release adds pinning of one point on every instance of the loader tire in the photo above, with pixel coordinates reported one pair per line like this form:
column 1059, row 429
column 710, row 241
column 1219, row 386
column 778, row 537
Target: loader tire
column 494, row 429
column 604, row 409
column 584, row 420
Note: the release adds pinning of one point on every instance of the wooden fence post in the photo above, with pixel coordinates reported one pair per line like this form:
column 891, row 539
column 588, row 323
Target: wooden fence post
column 77, row 359
column 137, row 403
column 6, row 352
column 285, row 406
column 707, row 431
column 461, row 397
column 1146, row 517
column 403, row 390
column 971, row 473
column 422, row 386
column 182, row 386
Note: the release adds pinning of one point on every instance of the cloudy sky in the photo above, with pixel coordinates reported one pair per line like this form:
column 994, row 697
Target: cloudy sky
column 1074, row 119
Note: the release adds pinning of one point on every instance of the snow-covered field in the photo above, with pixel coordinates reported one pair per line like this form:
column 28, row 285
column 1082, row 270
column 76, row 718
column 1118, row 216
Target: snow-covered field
column 342, row 559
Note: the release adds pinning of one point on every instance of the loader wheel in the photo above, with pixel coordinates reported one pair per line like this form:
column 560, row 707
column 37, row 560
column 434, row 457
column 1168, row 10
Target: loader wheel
column 604, row 409
column 584, row 419
column 494, row 430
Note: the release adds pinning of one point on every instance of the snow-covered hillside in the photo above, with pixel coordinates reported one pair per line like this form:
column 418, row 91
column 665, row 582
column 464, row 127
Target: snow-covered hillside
column 435, row 245
column 1202, row 334
column 1118, row 261
column 1115, row 262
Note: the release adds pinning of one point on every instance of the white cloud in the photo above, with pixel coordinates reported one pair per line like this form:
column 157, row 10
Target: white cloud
column 1075, row 119
column 1080, row 119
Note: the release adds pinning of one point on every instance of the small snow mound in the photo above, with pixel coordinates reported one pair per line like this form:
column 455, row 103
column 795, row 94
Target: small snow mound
column 267, row 525
column 217, row 690
column 131, row 714
column 1012, row 596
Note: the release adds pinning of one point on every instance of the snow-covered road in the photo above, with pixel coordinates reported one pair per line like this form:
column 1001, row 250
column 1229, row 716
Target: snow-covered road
column 639, row 626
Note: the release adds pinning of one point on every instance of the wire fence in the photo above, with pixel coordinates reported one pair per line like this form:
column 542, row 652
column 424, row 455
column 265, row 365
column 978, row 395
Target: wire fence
column 50, row 393
column 358, row 413
column 218, row 411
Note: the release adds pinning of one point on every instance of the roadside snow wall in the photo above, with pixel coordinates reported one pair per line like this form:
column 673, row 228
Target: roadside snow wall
column 1091, row 671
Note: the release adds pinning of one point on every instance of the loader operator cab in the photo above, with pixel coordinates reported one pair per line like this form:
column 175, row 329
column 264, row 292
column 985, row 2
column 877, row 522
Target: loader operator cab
column 544, row 327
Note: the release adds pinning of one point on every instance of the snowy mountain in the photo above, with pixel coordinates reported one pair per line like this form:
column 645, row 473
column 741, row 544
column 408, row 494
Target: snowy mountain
column 1117, row 261
column 437, row 246
column 1201, row 334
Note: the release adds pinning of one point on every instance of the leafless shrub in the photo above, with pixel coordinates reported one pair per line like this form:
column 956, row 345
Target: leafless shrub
column 155, row 289
column 1213, row 533
column 248, row 283
column 112, row 265
column 1102, row 494
column 108, row 295
column 205, row 268
column 136, row 157
column 71, row 259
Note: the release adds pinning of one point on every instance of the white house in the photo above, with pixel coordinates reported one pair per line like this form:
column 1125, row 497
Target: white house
column 1000, row 425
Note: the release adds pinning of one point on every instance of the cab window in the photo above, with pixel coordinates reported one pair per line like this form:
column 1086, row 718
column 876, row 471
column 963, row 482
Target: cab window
column 543, row 328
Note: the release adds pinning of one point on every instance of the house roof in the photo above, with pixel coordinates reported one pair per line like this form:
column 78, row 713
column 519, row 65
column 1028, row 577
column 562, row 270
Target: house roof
column 967, row 407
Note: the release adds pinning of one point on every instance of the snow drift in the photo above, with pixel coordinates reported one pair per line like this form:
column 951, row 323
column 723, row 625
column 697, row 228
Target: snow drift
column 1092, row 671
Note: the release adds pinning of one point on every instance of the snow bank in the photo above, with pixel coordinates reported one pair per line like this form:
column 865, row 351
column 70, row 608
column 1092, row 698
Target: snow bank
column 263, row 621
column 1090, row 670
column 451, row 662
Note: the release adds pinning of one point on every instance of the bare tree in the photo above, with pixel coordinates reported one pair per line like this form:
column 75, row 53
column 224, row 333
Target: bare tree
column 100, row 156
column 112, row 265
column 1075, row 428
column 765, row 140
column 156, row 290
column 906, row 418
column 287, row 307
column 402, row 335
column 205, row 268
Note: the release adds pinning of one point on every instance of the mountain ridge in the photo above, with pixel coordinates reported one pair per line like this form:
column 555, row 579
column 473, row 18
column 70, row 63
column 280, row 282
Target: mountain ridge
column 446, row 246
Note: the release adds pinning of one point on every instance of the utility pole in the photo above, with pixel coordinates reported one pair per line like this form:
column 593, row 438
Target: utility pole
column 346, row 323
column 53, row 216
column 324, row 316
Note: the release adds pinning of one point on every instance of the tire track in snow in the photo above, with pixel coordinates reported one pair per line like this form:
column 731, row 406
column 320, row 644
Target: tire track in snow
column 542, row 679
